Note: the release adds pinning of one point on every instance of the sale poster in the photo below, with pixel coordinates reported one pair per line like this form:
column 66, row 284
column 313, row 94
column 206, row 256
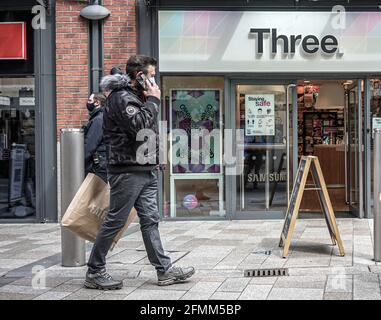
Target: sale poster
column 259, row 115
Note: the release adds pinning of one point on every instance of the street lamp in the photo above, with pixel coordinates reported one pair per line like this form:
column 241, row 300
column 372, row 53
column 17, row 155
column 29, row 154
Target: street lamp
column 95, row 11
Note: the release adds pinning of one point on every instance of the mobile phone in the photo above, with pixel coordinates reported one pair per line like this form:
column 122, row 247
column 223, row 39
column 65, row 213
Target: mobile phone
column 142, row 81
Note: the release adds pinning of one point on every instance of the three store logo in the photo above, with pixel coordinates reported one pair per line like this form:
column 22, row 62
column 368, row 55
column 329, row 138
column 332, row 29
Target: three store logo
column 308, row 45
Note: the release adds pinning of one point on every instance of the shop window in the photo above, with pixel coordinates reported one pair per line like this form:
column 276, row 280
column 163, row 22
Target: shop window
column 193, row 108
column 17, row 148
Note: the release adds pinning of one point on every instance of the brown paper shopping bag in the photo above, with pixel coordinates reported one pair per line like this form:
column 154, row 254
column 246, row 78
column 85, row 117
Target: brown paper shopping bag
column 88, row 209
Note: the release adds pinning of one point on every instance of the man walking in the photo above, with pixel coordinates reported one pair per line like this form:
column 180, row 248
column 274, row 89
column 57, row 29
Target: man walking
column 132, row 105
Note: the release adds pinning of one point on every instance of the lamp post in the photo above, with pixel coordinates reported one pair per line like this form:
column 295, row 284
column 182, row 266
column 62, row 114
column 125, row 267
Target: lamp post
column 95, row 13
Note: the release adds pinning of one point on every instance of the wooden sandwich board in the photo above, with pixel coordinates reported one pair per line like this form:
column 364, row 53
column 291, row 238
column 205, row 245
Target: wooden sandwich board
column 307, row 164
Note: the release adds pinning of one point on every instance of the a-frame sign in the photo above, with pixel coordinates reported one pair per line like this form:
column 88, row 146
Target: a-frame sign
column 306, row 164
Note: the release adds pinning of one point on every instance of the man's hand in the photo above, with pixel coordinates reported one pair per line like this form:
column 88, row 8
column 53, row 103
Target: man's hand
column 152, row 90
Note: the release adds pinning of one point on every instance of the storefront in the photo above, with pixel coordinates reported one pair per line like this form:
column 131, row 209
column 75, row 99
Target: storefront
column 28, row 185
column 275, row 83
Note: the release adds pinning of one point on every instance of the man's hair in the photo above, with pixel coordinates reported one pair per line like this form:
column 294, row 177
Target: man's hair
column 139, row 63
column 100, row 97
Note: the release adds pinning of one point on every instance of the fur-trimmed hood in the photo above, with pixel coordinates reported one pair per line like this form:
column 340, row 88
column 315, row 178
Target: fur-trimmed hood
column 115, row 82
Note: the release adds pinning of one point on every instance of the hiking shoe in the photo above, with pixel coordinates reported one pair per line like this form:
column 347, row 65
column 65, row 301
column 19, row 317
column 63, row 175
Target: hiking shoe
column 102, row 281
column 174, row 275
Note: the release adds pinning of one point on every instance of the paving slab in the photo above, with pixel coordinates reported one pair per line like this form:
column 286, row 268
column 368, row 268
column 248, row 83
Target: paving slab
column 83, row 294
column 225, row 296
column 196, row 295
column 106, row 296
column 338, row 296
column 22, row 289
column 183, row 286
column 312, row 282
column 142, row 294
column 234, row 284
column 339, row 283
column 48, row 282
column 256, row 292
column 263, row 280
column 137, row 282
column 69, row 287
column 206, row 286
column 296, row 294
column 16, row 296
column 366, row 287
column 52, row 295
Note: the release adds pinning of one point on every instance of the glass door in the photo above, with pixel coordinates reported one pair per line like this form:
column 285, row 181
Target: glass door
column 264, row 122
column 353, row 101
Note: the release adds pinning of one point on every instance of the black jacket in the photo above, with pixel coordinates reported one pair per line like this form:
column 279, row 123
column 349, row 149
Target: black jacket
column 94, row 143
column 126, row 113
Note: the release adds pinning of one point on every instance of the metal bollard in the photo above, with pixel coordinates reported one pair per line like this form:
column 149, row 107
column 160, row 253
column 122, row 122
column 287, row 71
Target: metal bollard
column 72, row 176
column 377, row 194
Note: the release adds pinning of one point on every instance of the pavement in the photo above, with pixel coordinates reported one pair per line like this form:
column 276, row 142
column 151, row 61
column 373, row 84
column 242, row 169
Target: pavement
column 30, row 263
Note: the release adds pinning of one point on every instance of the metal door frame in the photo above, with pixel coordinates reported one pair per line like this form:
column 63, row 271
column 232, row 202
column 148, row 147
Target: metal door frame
column 230, row 121
column 360, row 152
column 368, row 198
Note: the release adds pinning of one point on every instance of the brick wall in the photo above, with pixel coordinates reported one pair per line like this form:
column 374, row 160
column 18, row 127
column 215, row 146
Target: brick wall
column 119, row 33
column 71, row 64
column 72, row 53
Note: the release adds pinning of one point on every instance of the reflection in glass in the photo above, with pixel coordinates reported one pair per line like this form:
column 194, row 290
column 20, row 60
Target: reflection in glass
column 17, row 148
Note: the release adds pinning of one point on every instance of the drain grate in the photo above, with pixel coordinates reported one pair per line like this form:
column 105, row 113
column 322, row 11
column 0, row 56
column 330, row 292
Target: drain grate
column 277, row 272
column 265, row 252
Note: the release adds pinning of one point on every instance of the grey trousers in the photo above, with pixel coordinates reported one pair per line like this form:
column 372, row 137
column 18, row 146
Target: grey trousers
column 139, row 190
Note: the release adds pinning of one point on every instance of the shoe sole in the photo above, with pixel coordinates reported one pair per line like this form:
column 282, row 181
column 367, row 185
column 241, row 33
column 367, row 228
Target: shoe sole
column 89, row 285
column 175, row 280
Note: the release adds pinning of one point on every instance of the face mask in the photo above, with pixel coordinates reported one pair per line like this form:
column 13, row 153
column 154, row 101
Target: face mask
column 91, row 106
